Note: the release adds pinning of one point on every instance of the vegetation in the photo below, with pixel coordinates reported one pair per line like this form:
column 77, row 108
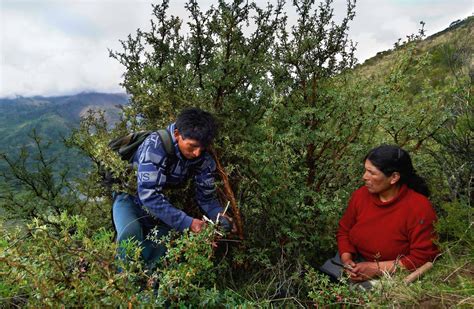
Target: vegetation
column 296, row 118
column 54, row 118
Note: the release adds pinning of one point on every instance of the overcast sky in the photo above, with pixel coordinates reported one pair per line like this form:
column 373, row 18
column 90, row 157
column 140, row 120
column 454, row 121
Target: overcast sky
column 57, row 47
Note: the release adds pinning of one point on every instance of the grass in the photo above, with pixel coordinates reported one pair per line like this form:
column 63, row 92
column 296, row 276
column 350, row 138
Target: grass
column 450, row 283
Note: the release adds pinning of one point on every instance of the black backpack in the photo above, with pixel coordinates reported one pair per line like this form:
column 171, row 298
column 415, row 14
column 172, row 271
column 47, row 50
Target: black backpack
column 126, row 146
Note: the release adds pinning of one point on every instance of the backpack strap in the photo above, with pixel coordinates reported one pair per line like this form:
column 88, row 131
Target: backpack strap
column 167, row 140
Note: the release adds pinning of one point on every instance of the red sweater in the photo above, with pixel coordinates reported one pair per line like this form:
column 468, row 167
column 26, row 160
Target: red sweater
column 401, row 227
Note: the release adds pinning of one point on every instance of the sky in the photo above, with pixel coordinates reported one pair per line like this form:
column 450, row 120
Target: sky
column 60, row 47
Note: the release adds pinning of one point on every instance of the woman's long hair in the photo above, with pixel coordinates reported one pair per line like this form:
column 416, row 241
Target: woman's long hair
column 390, row 158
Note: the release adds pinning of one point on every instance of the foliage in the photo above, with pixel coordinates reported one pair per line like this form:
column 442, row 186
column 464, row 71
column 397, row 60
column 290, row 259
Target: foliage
column 456, row 137
column 455, row 226
column 31, row 188
column 187, row 275
column 295, row 122
column 92, row 138
column 326, row 293
column 62, row 263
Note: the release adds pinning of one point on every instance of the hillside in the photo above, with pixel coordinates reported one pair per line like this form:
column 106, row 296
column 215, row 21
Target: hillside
column 458, row 33
column 52, row 118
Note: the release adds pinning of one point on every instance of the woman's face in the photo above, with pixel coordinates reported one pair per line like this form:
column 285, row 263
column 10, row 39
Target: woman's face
column 376, row 181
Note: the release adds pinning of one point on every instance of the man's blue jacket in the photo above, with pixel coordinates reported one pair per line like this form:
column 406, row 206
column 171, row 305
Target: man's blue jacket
column 152, row 162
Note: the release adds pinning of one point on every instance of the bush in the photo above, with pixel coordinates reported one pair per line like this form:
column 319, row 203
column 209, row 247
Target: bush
column 189, row 274
column 62, row 263
column 323, row 292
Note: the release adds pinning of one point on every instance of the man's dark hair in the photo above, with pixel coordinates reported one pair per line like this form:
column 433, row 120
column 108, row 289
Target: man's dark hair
column 194, row 123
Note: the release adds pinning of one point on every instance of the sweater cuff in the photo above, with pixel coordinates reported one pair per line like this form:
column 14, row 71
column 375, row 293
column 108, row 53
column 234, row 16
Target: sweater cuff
column 346, row 248
column 409, row 264
column 185, row 224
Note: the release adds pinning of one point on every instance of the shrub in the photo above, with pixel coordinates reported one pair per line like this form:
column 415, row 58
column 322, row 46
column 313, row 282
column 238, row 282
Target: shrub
column 62, row 263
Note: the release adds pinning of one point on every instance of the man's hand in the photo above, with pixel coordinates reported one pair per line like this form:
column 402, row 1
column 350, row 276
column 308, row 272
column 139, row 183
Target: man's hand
column 231, row 224
column 196, row 225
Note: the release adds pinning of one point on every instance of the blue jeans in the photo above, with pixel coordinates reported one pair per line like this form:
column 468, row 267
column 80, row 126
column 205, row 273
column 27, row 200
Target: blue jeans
column 133, row 223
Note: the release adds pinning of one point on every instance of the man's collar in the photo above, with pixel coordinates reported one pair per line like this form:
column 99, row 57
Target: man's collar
column 171, row 129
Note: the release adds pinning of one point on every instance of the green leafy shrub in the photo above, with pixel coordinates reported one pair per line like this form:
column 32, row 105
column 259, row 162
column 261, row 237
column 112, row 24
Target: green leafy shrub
column 62, row 263
column 323, row 292
column 188, row 275
column 455, row 226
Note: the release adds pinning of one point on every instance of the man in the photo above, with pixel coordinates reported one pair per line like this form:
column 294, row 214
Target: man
column 135, row 216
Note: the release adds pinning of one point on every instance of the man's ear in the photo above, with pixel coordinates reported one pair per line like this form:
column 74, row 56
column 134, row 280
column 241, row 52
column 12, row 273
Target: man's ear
column 176, row 134
column 394, row 178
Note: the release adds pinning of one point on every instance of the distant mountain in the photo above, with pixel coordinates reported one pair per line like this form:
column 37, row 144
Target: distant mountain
column 53, row 118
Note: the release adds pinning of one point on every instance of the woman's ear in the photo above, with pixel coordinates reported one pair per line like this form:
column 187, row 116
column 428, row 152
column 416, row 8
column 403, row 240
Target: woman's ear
column 394, row 178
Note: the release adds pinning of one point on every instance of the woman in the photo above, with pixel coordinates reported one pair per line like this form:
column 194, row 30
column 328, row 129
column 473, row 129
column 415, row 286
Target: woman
column 389, row 221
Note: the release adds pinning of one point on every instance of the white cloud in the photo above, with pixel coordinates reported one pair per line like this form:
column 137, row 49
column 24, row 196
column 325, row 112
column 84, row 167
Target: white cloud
column 61, row 47
column 380, row 23
column 53, row 47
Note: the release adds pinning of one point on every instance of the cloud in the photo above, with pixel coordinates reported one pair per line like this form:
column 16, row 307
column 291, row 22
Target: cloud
column 61, row 47
column 55, row 47
column 380, row 23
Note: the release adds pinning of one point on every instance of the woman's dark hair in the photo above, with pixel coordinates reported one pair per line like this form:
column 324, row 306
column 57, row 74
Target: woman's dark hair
column 390, row 158
column 197, row 124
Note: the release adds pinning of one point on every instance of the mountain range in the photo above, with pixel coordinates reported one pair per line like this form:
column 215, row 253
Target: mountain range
column 52, row 117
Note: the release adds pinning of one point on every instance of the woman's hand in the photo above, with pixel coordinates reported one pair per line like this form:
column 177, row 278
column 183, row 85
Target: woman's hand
column 364, row 271
column 367, row 270
column 346, row 259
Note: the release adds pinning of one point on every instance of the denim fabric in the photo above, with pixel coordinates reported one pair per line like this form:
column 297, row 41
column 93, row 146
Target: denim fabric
column 133, row 223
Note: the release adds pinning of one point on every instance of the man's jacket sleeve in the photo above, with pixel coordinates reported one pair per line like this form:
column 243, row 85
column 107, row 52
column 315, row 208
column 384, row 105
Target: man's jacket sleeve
column 206, row 188
column 150, row 181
